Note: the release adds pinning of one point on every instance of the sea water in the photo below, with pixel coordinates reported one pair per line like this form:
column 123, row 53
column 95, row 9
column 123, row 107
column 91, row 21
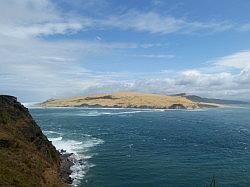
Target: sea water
column 141, row 148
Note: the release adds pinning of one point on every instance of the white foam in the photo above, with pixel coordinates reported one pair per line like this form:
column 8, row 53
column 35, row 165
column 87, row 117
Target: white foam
column 55, row 139
column 197, row 110
column 128, row 112
column 98, row 113
column 81, row 154
column 101, row 112
column 51, row 132
column 70, row 146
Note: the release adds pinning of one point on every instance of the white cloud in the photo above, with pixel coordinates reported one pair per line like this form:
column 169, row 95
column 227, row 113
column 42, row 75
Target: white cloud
column 239, row 60
column 223, row 84
column 28, row 12
column 245, row 27
column 29, row 18
column 244, row 76
column 40, row 17
column 40, row 29
column 163, row 56
column 38, row 69
column 155, row 23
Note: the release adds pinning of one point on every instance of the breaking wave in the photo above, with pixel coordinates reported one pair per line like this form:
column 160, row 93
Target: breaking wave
column 81, row 153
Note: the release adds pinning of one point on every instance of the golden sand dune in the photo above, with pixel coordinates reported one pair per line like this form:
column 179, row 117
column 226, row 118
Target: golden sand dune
column 124, row 100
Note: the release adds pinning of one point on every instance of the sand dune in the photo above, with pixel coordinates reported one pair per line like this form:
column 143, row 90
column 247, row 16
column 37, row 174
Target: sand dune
column 124, row 100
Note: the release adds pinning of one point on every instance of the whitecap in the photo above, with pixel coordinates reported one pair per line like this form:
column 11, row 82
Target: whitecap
column 97, row 113
column 197, row 110
column 55, row 139
column 81, row 154
column 121, row 113
column 71, row 146
column 51, row 132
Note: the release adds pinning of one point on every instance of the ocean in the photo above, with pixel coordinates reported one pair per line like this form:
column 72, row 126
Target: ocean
column 151, row 148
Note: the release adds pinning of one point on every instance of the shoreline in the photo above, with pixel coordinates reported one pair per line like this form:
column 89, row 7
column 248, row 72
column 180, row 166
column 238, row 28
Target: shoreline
column 66, row 164
column 175, row 107
column 137, row 108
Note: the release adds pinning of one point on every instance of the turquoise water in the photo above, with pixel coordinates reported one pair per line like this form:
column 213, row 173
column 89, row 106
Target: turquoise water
column 127, row 148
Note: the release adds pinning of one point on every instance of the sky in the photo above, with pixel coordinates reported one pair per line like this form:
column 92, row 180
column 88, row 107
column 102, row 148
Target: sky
column 62, row 48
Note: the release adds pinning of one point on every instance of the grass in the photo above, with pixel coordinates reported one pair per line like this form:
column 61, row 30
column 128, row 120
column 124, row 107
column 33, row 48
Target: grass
column 27, row 158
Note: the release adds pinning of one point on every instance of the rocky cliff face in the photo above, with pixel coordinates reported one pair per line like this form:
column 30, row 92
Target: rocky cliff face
column 27, row 158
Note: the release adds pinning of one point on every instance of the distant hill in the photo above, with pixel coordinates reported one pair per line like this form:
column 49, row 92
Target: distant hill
column 126, row 100
column 196, row 98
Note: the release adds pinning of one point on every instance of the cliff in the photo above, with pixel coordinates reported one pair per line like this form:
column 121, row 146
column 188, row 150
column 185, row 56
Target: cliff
column 27, row 158
column 124, row 100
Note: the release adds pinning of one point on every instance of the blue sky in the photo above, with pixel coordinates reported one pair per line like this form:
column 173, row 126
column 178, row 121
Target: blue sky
column 52, row 48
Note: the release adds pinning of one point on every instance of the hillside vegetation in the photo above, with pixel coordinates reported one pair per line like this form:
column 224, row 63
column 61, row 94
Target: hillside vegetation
column 27, row 158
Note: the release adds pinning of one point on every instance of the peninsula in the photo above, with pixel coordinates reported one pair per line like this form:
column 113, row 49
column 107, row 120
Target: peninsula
column 128, row 100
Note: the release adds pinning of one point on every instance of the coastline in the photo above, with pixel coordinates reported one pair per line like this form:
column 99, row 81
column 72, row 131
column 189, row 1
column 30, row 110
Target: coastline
column 66, row 164
column 74, row 154
column 172, row 107
column 133, row 108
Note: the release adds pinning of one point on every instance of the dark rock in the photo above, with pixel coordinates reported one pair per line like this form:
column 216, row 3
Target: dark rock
column 177, row 106
column 62, row 151
column 102, row 97
column 4, row 143
column 66, row 163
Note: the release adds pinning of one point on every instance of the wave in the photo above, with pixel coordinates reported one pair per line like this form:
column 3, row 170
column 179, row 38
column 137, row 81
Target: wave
column 197, row 110
column 97, row 113
column 55, row 139
column 51, row 132
column 120, row 113
column 81, row 154
column 90, row 112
